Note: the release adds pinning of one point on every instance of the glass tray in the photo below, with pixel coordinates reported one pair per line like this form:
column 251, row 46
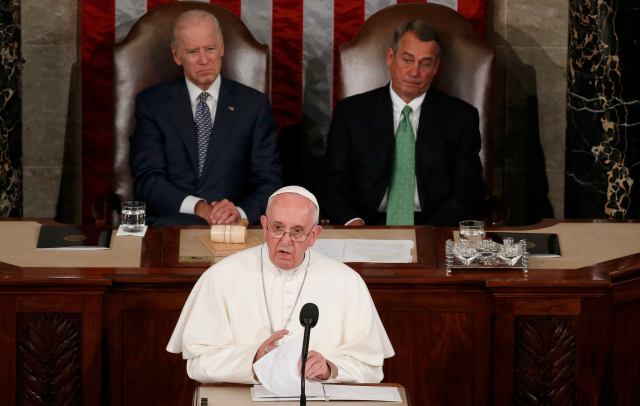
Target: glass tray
column 486, row 254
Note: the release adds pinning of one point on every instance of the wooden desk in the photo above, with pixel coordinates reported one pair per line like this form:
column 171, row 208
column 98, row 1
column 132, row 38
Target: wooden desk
column 482, row 337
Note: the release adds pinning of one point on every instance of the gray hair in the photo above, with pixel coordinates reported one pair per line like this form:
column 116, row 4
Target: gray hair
column 421, row 29
column 189, row 17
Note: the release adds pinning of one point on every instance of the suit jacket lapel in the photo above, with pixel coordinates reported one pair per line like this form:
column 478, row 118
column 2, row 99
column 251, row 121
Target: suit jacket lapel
column 179, row 107
column 428, row 139
column 382, row 127
column 222, row 126
column 383, row 119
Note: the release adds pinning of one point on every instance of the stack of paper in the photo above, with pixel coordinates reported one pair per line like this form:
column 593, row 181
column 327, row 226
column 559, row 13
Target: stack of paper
column 278, row 372
column 361, row 250
column 334, row 392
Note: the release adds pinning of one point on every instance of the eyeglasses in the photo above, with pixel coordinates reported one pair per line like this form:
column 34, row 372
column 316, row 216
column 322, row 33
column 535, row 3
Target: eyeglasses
column 278, row 232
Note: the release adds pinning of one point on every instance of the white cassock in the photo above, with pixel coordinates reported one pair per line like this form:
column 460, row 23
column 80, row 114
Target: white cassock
column 225, row 318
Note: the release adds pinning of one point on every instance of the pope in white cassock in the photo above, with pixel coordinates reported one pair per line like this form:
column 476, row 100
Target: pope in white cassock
column 242, row 306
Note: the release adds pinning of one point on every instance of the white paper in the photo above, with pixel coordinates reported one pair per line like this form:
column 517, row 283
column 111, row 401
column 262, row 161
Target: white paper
column 278, row 370
column 333, row 248
column 336, row 392
column 371, row 393
column 141, row 233
column 364, row 250
column 260, row 394
column 397, row 251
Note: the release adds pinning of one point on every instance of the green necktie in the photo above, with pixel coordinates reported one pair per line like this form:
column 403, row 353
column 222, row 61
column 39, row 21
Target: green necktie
column 402, row 189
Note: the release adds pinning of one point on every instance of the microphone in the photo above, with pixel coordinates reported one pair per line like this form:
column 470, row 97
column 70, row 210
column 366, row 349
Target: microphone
column 308, row 319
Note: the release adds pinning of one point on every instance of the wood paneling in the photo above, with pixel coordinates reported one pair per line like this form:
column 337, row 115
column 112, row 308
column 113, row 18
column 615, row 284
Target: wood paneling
column 51, row 340
column 141, row 370
column 48, row 358
column 439, row 338
column 485, row 337
column 545, row 361
column 626, row 352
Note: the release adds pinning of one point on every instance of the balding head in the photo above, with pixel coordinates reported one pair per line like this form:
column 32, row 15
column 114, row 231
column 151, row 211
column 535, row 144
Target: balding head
column 192, row 17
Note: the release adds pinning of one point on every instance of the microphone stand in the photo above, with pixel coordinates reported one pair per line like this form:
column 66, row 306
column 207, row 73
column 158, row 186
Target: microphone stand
column 305, row 350
column 308, row 319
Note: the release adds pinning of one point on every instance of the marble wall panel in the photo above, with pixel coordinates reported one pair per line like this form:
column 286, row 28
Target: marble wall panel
column 526, row 181
column 50, row 50
column 46, row 84
column 11, row 174
column 45, row 145
column 496, row 22
column 550, row 68
column 540, row 23
column 41, row 185
column 50, row 22
column 603, row 133
column 530, row 39
column 46, row 77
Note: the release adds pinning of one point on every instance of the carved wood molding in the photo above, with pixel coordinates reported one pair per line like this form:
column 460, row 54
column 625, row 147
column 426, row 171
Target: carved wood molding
column 48, row 362
column 545, row 361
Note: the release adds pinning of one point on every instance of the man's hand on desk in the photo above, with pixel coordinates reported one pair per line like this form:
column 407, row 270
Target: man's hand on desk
column 222, row 212
column 355, row 223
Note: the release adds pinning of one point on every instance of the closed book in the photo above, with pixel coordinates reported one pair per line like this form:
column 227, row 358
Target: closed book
column 74, row 238
column 538, row 244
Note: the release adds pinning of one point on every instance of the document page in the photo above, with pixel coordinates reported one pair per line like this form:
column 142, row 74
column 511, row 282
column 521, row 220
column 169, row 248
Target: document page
column 333, row 248
column 364, row 250
column 278, row 372
column 353, row 392
column 398, row 251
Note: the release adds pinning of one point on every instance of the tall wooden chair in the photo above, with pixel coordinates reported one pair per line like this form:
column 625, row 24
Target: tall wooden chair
column 144, row 58
column 466, row 70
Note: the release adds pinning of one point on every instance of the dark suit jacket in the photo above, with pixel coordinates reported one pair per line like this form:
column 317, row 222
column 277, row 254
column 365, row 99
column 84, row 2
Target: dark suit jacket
column 242, row 163
column 359, row 159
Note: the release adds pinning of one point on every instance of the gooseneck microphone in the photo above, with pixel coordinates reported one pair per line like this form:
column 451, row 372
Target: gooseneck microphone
column 308, row 319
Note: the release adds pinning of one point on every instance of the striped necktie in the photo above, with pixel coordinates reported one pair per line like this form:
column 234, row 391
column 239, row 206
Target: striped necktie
column 204, row 125
column 402, row 189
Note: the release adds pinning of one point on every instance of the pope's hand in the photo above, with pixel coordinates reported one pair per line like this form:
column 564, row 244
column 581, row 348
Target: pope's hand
column 269, row 344
column 316, row 366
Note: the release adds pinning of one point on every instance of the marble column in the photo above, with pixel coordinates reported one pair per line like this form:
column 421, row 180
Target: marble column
column 10, row 108
column 603, row 110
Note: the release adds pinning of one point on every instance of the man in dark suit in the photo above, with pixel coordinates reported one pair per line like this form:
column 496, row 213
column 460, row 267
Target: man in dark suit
column 204, row 149
column 404, row 153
